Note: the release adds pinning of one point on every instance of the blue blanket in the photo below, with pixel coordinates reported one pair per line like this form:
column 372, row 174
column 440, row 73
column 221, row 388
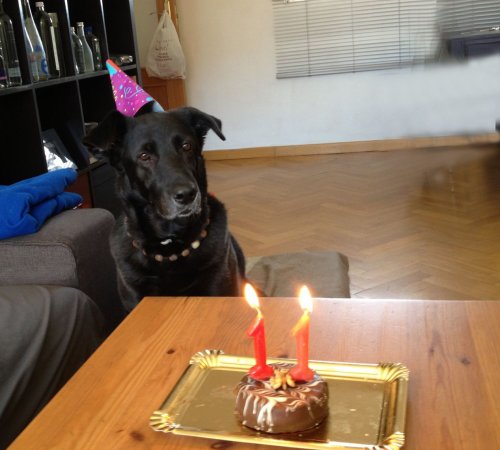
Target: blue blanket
column 26, row 205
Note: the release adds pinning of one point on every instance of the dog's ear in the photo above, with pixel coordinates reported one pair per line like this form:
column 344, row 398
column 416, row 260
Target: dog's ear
column 146, row 109
column 202, row 122
column 108, row 132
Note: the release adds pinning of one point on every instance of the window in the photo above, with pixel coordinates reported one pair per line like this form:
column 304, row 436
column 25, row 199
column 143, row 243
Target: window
column 315, row 37
column 461, row 16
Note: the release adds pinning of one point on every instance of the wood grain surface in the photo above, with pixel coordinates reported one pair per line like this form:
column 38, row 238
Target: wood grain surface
column 450, row 347
column 414, row 224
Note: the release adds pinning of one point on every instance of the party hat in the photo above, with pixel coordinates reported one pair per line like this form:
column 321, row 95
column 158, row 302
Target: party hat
column 129, row 96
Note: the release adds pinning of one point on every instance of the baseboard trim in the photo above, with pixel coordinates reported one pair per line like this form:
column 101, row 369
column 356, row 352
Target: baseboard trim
column 352, row 147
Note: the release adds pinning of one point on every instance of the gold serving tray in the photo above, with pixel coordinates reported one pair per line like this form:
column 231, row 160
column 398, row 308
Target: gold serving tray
column 367, row 404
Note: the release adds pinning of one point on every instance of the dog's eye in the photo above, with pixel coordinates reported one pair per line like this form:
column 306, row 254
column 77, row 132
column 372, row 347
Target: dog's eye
column 186, row 146
column 144, row 156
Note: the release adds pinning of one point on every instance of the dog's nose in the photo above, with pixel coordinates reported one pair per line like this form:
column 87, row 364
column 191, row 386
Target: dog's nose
column 185, row 195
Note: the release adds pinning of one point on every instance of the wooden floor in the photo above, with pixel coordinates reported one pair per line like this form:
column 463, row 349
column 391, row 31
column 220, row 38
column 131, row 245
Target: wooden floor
column 414, row 224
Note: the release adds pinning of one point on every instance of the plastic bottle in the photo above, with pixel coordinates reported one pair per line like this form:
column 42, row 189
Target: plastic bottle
column 45, row 28
column 58, row 42
column 77, row 52
column 37, row 52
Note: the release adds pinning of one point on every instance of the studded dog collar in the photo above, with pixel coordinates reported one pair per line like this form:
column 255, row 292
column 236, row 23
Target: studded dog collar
column 174, row 256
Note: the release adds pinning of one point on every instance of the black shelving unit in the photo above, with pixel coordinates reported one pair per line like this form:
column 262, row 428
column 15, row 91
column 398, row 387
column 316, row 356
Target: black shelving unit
column 65, row 104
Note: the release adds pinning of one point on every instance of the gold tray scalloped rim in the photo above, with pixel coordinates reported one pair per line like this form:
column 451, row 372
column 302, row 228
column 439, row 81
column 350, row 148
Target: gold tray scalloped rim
column 376, row 390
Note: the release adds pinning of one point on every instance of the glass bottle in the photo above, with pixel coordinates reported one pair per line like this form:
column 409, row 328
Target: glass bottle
column 8, row 44
column 30, row 52
column 3, row 69
column 58, row 42
column 95, row 46
column 45, row 27
column 76, row 45
column 88, row 59
column 37, row 55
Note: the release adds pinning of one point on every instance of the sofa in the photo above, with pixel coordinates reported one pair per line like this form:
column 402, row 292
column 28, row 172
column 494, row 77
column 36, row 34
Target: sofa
column 58, row 302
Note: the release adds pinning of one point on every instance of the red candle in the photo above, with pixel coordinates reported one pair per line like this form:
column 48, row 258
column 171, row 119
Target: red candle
column 302, row 372
column 261, row 370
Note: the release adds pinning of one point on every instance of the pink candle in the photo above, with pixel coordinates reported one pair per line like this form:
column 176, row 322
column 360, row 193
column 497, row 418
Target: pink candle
column 261, row 370
column 302, row 372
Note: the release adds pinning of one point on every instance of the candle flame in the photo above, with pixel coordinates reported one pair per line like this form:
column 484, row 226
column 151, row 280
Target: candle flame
column 251, row 297
column 305, row 299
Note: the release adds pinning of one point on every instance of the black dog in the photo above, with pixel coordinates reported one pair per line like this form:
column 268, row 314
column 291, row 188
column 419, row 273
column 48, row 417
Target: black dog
column 172, row 238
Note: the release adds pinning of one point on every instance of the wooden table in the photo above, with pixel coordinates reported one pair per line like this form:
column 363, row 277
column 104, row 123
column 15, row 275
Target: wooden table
column 450, row 347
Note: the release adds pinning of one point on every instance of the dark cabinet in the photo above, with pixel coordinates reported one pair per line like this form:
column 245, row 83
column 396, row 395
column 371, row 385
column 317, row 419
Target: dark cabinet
column 65, row 104
column 472, row 44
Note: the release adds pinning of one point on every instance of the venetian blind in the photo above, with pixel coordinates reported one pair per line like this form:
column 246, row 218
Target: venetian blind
column 316, row 37
column 458, row 16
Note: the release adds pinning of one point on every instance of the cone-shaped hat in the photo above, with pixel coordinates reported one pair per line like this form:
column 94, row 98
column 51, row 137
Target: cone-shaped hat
column 129, row 96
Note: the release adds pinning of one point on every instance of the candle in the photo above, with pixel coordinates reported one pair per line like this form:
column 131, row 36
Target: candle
column 302, row 372
column 261, row 370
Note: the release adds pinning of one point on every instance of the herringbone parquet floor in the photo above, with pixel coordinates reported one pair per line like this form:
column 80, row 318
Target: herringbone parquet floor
column 414, row 224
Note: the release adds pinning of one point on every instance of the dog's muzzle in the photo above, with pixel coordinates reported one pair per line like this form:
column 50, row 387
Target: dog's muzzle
column 183, row 203
column 185, row 195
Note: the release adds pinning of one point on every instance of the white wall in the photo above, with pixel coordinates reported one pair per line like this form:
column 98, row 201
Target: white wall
column 231, row 74
column 146, row 21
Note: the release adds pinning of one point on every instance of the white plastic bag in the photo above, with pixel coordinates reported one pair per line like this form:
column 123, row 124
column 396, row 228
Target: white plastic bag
column 165, row 56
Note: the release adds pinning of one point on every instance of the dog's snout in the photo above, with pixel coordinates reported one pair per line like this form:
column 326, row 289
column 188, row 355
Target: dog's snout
column 185, row 195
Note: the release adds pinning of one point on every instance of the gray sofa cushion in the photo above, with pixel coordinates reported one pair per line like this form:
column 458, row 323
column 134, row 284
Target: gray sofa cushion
column 71, row 249
column 50, row 255
column 46, row 334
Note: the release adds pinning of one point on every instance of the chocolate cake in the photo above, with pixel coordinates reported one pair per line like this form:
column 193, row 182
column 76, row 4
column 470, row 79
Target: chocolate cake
column 280, row 405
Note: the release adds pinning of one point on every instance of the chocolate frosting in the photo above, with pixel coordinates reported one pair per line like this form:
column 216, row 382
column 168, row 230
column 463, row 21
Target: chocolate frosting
column 289, row 410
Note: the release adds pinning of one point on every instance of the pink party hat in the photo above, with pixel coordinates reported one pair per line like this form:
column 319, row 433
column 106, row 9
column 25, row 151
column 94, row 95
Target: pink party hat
column 129, row 96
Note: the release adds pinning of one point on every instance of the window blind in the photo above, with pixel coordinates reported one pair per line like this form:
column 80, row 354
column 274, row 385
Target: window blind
column 460, row 16
column 317, row 37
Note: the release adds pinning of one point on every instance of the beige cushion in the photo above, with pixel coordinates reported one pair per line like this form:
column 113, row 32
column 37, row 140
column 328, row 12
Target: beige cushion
column 326, row 274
